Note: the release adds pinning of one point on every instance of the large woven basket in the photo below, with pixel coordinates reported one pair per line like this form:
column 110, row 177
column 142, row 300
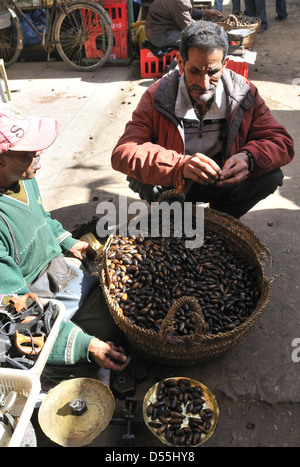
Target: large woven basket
column 191, row 350
column 242, row 22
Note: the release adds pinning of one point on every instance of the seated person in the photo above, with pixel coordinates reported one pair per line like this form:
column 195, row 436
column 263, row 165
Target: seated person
column 167, row 18
column 31, row 253
column 205, row 131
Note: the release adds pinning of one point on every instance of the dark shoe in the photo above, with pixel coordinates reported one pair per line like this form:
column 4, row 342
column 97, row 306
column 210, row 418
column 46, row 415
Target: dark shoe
column 280, row 18
column 262, row 29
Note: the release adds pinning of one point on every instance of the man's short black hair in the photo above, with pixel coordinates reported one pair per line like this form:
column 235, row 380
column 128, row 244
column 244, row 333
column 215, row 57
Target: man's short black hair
column 204, row 35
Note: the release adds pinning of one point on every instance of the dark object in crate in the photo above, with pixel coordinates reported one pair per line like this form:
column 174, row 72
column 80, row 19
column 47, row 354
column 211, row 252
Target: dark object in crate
column 24, row 327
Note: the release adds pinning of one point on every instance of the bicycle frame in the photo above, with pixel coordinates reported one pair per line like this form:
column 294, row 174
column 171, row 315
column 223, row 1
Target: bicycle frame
column 80, row 30
column 46, row 39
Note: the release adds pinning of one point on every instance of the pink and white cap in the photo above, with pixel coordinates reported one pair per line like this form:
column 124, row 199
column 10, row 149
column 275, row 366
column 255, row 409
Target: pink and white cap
column 21, row 133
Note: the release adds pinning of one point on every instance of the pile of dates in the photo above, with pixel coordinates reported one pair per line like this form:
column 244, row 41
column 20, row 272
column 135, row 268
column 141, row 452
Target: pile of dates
column 242, row 20
column 179, row 412
column 149, row 274
column 184, row 322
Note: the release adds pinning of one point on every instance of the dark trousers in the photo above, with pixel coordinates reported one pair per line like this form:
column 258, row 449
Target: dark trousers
column 239, row 199
column 236, row 6
column 257, row 8
column 235, row 201
column 281, row 8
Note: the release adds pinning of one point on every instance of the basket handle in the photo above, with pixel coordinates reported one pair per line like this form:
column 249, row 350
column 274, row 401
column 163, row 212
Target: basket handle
column 167, row 329
column 171, row 195
column 103, row 261
column 232, row 18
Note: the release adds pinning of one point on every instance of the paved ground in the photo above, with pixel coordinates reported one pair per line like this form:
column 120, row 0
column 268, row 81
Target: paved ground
column 257, row 383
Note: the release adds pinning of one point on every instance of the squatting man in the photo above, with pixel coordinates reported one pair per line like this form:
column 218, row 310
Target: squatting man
column 204, row 130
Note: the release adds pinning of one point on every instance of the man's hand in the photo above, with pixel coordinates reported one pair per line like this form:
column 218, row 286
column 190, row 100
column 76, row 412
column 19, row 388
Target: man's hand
column 212, row 14
column 82, row 247
column 107, row 355
column 201, row 169
column 234, row 171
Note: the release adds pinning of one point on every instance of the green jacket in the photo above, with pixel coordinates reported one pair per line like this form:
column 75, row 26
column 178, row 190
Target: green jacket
column 38, row 239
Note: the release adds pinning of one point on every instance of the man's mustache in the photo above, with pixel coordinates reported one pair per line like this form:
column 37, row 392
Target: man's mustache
column 195, row 87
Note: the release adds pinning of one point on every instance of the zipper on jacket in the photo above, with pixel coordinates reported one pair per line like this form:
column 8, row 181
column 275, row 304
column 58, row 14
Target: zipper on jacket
column 200, row 126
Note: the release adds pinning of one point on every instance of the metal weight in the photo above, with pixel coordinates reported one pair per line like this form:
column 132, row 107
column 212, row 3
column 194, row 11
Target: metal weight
column 123, row 385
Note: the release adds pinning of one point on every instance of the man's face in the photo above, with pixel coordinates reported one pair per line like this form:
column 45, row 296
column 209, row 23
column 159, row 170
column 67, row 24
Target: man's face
column 202, row 72
column 21, row 165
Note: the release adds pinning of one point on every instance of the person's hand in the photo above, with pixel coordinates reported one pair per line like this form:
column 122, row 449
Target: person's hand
column 107, row 355
column 212, row 14
column 201, row 169
column 235, row 170
column 81, row 249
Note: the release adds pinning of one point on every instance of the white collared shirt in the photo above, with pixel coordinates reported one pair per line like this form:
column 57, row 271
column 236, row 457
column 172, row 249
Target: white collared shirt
column 205, row 136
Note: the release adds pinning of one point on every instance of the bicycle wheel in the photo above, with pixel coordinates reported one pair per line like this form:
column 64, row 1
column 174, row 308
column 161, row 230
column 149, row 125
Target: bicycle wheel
column 84, row 35
column 11, row 38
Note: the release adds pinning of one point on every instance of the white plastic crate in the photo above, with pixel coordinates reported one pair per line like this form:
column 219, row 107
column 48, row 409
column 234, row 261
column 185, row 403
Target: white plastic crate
column 27, row 382
column 26, row 385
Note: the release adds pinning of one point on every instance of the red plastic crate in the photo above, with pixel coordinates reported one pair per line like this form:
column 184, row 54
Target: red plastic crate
column 239, row 67
column 120, row 47
column 118, row 15
column 153, row 67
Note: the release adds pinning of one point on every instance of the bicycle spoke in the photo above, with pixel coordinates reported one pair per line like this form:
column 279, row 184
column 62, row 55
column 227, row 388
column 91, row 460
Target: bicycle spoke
column 10, row 38
column 85, row 37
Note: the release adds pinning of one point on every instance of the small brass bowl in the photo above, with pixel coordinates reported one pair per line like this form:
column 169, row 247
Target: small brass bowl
column 210, row 403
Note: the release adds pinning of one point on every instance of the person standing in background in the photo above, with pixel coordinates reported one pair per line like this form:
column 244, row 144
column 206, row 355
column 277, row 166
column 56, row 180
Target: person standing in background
column 236, row 6
column 218, row 5
column 257, row 9
column 281, row 10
